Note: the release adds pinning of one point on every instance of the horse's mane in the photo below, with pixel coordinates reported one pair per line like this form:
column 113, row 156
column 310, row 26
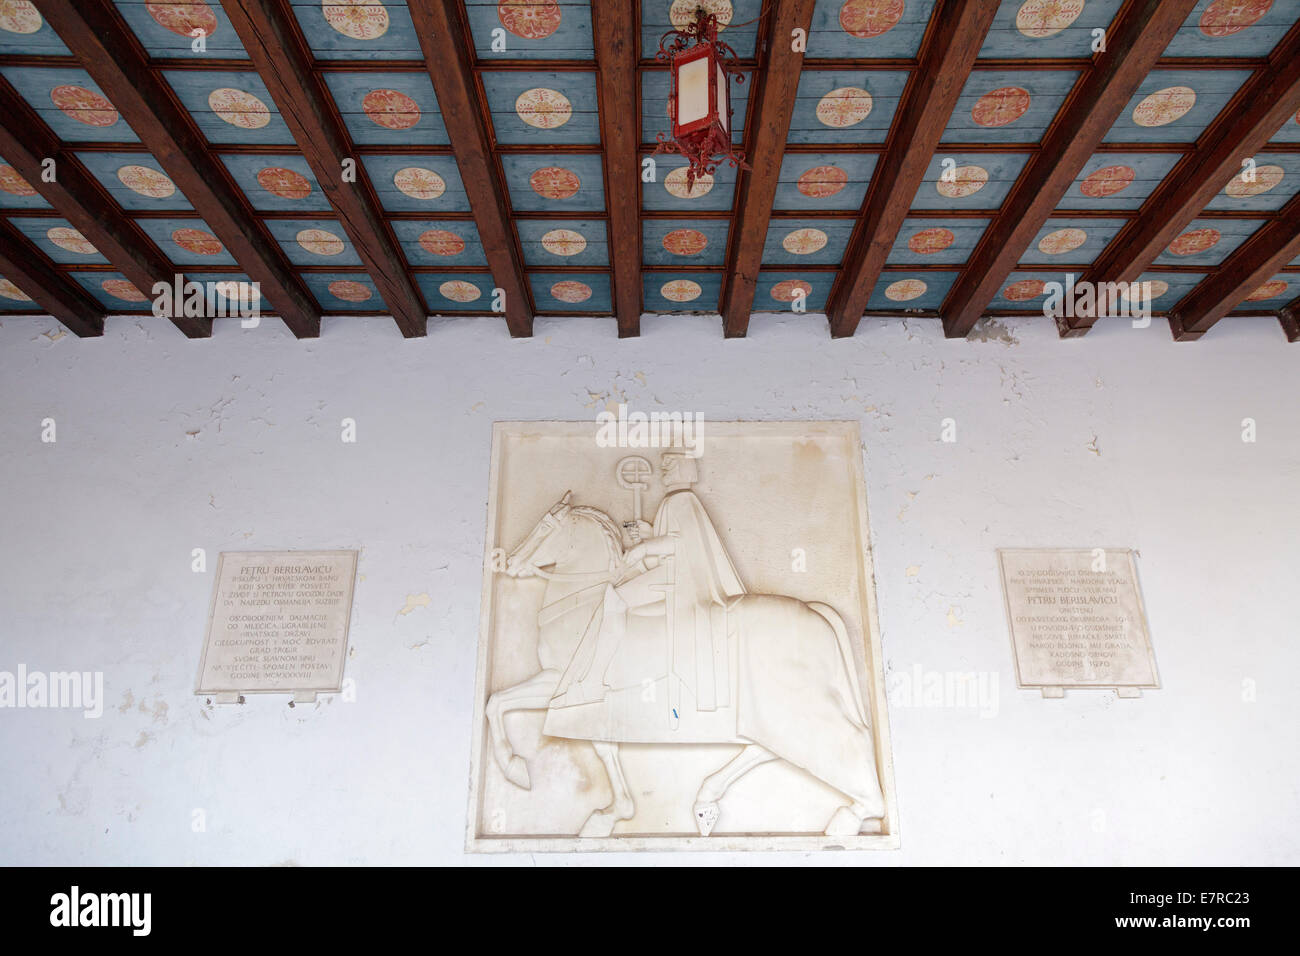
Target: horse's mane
column 607, row 526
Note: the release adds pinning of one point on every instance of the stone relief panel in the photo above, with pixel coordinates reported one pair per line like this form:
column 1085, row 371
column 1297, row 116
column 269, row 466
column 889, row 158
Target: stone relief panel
column 679, row 645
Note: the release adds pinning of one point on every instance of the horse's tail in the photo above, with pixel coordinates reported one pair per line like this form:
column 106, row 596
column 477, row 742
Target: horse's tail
column 846, row 654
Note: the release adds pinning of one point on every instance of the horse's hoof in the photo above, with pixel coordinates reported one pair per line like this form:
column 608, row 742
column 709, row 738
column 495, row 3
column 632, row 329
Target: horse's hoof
column 598, row 826
column 706, row 817
column 844, row 823
column 517, row 773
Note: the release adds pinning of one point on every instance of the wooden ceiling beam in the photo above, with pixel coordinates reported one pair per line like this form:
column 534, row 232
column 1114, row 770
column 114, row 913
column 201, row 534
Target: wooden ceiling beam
column 56, row 294
column 773, row 106
column 1289, row 317
column 949, row 53
column 1133, row 45
column 270, row 35
column 26, row 142
column 614, row 27
column 441, row 30
column 110, row 53
column 1269, row 99
column 1251, row 264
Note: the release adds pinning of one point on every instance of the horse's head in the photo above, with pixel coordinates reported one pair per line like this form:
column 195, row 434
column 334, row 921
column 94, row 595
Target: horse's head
column 535, row 551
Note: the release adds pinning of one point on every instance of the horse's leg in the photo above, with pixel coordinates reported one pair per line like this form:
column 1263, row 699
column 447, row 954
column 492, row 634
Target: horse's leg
column 716, row 784
column 601, row 822
column 847, row 821
column 827, row 732
column 532, row 694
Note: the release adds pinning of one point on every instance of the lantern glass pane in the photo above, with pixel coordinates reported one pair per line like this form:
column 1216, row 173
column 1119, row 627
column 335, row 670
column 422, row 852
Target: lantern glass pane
column 692, row 91
column 724, row 100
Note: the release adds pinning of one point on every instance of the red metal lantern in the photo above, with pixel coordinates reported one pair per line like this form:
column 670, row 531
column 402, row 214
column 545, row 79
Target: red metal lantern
column 699, row 100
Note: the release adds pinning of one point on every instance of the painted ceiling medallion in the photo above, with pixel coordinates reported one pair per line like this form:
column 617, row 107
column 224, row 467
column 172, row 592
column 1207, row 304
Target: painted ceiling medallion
column 197, row 241
column 322, row 242
column 122, row 289
column 239, row 108
column 14, row 184
column 184, row 18
column 821, row 182
column 1107, row 181
column 787, row 290
column 682, row 12
column 1269, row 290
column 1266, row 177
column 459, row 290
column 544, row 108
column 419, row 183
column 570, row 291
column 802, row 242
column 1148, row 288
column 1197, row 240
column 10, row 291
column 146, row 182
column 1039, row 19
column 1164, row 106
column 675, row 183
column 1001, row 106
column 843, row 107
column 83, row 105
column 685, row 242
column 564, row 242
column 905, row 290
column 929, row 241
column 70, row 240
column 391, row 109
column 19, row 16
column 358, row 19
column 1062, row 241
column 554, row 182
column 865, row 19
column 681, row 290
column 441, row 242
column 285, row 183
column 349, row 290
column 1223, row 18
column 529, row 19
column 1023, row 290
column 965, row 181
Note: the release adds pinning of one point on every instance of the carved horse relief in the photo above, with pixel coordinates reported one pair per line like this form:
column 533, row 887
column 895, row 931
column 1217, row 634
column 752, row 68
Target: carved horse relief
column 647, row 635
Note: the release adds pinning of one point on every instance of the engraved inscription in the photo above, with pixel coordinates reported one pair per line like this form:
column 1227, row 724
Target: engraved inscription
column 1076, row 618
column 279, row 622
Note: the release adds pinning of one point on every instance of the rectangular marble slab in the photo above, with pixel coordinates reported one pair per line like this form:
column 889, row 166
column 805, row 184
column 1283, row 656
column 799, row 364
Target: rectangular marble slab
column 780, row 681
column 1077, row 619
column 278, row 623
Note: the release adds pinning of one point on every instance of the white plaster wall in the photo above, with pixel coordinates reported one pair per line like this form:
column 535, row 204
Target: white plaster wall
column 1122, row 438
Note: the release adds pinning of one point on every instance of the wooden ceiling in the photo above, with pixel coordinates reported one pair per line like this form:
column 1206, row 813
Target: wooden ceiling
column 442, row 157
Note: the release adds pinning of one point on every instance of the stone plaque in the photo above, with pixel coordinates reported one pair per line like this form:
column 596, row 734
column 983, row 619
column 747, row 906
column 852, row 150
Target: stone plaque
column 679, row 646
column 1077, row 620
column 278, row 623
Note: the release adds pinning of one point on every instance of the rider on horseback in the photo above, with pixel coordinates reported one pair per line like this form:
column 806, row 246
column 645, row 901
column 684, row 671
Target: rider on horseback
column 683, row 563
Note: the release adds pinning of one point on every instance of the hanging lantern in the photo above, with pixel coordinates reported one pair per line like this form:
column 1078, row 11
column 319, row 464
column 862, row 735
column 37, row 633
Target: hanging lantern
column 700, row 68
